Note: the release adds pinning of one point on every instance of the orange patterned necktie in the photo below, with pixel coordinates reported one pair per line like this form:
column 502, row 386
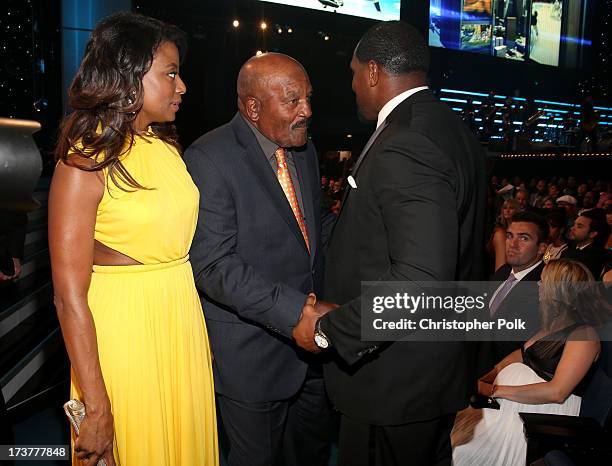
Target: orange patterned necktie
column 284, row 178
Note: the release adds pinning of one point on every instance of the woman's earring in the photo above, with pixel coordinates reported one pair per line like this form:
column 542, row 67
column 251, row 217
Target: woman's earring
column 129, row 99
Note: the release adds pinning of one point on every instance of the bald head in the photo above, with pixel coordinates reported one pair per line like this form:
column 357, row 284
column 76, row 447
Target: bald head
column 260, row 71
column 274, row 95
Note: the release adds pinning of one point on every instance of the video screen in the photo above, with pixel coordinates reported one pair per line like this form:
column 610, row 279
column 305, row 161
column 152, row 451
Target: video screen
column 382, row 10
column 511, row 29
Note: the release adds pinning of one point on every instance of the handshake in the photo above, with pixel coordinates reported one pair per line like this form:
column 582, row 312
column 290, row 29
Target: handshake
column 304, row 332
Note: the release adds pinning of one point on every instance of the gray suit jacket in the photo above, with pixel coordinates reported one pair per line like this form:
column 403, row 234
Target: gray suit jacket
column 250, row 261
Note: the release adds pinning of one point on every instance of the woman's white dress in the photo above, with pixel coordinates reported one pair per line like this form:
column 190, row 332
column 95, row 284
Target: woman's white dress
column 492, row 437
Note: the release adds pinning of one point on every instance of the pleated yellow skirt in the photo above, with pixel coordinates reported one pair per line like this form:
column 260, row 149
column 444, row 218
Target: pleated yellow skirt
column 156, row 364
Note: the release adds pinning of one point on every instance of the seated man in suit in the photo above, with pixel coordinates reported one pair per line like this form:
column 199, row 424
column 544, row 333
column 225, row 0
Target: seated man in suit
column 589, row 233
column 525, row 244
column 257, row 255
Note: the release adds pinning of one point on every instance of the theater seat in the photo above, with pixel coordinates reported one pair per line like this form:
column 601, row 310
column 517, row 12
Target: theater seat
column 587, row 438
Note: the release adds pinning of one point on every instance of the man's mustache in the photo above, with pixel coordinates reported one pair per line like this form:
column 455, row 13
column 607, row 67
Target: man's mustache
column 301, row 124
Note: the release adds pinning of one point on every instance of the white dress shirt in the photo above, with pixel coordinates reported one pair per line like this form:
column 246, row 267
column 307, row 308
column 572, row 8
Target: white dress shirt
column 395, row 101
column 518, row 275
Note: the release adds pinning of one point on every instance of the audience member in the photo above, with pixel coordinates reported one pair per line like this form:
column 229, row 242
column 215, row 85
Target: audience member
column 336, row 191
column 548, row 203
column 525, row 244
column 557, row 223
column 324, row 182
column 581, row 191
column 590, row 199
column 553, row 190
column 522, row 198
column 548, row 374
column 605, row 196
column 571, row 186
column 537, row 198
column 568, row 203
column 589, row 234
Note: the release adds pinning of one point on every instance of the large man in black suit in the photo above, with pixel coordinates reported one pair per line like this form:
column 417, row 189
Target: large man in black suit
column 257, row 254
column 414, row 212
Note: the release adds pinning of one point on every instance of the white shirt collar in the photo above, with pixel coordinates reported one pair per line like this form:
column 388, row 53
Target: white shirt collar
column 394, row 102
column 520, row 275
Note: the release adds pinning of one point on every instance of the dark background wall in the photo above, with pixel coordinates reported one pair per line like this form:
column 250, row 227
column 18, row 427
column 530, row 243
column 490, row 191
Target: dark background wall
column 32, row 52
column 217, row 50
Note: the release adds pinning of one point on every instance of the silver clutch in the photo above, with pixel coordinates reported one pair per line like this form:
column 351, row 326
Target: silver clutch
column 75, row 411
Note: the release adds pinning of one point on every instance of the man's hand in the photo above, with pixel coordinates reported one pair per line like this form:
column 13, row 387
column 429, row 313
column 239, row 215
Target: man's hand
column 303, row 332
column 323, row 307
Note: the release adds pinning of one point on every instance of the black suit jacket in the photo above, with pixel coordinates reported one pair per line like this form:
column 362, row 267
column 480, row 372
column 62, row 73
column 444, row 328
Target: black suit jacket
column 417, row 214
column 521, row 302
column 593, row 257
column 250, row 261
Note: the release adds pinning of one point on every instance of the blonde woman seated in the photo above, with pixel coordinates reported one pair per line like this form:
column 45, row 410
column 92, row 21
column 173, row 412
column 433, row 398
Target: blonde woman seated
column 497, row 244
column 547, row 375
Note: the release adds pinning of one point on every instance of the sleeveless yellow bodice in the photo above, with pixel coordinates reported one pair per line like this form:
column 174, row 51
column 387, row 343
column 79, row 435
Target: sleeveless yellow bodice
column 150, row 225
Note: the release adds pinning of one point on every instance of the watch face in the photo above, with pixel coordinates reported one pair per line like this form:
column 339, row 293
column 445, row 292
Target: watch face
column 321, row 341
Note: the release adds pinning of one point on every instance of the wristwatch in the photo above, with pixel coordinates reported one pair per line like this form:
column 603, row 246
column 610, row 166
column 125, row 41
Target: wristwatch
column 320, row 338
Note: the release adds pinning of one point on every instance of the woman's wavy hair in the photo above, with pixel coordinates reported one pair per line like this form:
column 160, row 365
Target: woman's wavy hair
column 500, row 220
column 568, row 288
column 107, row 94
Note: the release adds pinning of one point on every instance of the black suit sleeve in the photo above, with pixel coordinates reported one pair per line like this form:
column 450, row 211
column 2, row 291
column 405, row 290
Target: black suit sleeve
column 219, row 270
column 414, row 191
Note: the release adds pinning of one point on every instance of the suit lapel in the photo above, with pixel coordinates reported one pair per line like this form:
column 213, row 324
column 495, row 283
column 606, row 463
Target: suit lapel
column 260, row 166
column 367, row 147
column 403, row 109
column 360, row 159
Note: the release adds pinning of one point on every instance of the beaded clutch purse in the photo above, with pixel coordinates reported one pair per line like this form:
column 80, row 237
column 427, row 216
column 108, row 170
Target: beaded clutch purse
column 75, row 411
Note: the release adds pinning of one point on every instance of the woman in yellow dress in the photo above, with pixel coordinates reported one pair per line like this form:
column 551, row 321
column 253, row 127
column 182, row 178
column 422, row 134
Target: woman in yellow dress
column 122, row 214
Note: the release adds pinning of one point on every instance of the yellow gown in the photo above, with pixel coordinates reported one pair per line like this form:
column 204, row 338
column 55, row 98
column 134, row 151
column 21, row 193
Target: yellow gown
column 151, row 332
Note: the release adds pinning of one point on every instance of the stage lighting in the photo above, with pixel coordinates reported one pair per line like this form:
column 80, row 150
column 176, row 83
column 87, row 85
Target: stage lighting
column 263, row 26
column 236, row 23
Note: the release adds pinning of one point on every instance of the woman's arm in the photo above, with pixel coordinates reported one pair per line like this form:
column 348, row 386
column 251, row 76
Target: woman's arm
column 73, row 201
column 581, row 350
column 485, row 383
column 499, row 247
